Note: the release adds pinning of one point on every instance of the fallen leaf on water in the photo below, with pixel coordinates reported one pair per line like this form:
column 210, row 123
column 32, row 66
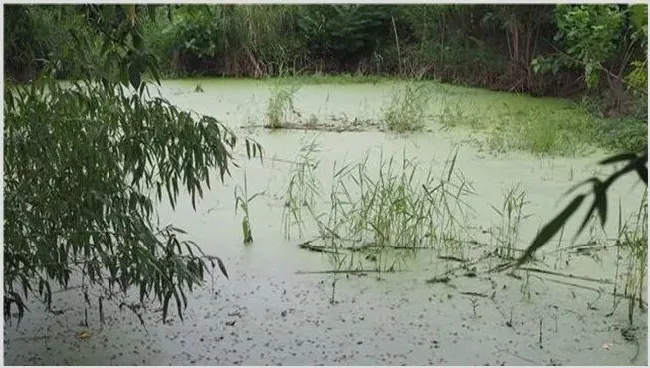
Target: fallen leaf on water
column 84, row 335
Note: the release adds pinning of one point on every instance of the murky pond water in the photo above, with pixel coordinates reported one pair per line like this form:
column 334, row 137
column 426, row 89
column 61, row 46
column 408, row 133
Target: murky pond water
column 276, row 309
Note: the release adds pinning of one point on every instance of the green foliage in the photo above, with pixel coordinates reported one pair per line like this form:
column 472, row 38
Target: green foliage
column 347, row 31
column 625, row 134
column 511, row 214
column 280, row 105
column 383, row 216
column 36, row 36
column 633, row 238
column 408, row 109
column 482, row 45
column 242, row 201
column 196, row 34
column 453, row 115
column 637, row 79
column 234, row 39
column 445, row 37
column 609, row 39
column 634, row 163
column 84, row 163
column 591, row 32
column 303, row 189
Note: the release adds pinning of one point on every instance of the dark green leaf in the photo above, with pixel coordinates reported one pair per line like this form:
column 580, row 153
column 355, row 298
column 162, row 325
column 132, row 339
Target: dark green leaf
column 16, row 299
column 100, row 301
column 178, row 303
column 135, row 75
column 165, row 306
column 550, row 229
column 618, row 158
column 222, row 267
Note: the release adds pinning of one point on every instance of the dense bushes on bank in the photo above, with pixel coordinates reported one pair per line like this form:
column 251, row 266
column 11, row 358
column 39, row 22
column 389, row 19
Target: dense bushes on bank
column 544, row 50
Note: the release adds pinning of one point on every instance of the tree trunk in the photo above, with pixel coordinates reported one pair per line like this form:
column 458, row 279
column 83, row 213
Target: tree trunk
column 618, row 98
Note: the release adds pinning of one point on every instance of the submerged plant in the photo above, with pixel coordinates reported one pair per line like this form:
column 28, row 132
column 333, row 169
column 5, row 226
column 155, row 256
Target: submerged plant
column 407, row 110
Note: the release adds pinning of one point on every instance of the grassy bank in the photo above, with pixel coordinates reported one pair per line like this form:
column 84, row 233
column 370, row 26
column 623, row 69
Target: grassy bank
column 509, row 121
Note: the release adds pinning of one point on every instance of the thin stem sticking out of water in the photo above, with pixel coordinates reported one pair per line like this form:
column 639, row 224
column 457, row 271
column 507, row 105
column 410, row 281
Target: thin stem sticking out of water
column 333, row 298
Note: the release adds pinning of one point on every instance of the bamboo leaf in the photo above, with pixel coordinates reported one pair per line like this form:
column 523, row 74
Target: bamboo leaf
column 618, row 158
column 165, row 306
column 178, row 303
column 222, row 266
column 100, row 302
column 550, row 229
column 16, row 299
column 135, row 75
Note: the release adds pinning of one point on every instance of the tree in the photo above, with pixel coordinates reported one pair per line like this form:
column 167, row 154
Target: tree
column 609, row 40
column 521, row 24
column 81, row 161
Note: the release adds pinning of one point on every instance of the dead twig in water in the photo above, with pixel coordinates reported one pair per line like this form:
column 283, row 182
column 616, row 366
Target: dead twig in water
column 567, row 275
column 326, row 248
column 519, row 356
column 452, row 258
column 315, row 248
column 474, row 302
column 314, row 127
column 508, row 322
column 339, row 271
column 465, row 266
column 473, row 293
column 592, row 289
column 541, row 319
column 436, row 280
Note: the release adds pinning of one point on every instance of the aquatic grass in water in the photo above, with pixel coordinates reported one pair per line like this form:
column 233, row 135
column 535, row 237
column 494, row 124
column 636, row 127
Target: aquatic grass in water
column 541, row 134
column 303, row 189
column 551, row 133
column 625, row 134
column 408, row 109
column 454, row 115
column 242, row 201
column 634, row 241
column 280, row 105
column 384, row 217
column 511, row 215
column 540, row 126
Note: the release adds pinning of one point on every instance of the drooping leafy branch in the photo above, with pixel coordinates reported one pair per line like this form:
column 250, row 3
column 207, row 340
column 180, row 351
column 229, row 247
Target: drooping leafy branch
column 609, row 39
column 83, row 165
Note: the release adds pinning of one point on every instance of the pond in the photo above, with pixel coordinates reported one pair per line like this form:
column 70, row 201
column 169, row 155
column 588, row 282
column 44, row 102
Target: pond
column 286, row 305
